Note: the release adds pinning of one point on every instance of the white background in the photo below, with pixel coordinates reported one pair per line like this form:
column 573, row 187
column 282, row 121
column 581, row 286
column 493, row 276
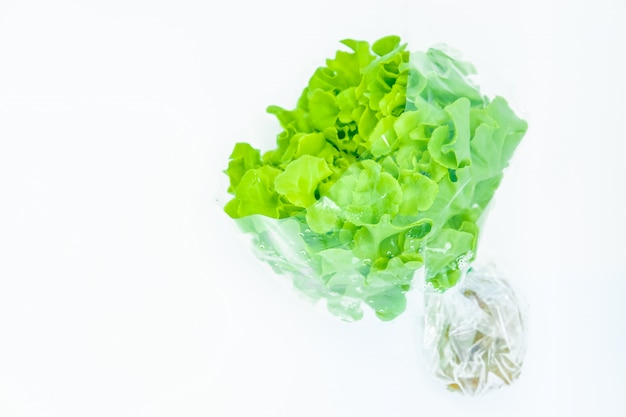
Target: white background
column 125, row 291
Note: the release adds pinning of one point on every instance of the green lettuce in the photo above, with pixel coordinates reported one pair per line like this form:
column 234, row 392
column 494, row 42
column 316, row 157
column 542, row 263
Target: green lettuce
column 384, row 167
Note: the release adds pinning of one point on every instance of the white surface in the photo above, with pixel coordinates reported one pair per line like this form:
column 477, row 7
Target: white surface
column 124, row 291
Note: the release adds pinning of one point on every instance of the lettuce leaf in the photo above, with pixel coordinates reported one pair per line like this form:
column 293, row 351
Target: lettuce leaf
column 300, row 179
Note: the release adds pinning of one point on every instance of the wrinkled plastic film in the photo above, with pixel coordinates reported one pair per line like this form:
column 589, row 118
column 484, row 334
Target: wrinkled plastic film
column 474, row 322
column 478, row 136
column 290, row 247
column 475, row 334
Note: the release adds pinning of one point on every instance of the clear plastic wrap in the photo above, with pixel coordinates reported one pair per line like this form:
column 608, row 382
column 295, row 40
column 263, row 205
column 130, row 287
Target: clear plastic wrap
column 475, row 334
column 384, row 168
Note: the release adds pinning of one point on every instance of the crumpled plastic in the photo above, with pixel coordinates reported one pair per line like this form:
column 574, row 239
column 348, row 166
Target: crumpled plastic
column 475, row 334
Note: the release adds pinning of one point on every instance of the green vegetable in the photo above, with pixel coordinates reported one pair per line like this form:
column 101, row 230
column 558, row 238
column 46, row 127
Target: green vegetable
column 385, row 166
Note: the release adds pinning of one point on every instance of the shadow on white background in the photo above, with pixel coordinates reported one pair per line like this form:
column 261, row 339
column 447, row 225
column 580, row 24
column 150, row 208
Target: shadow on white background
column 126, row 291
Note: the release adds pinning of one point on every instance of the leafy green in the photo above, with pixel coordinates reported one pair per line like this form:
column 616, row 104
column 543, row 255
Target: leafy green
column 385, row 166
column 255, row 194
column 300, row 179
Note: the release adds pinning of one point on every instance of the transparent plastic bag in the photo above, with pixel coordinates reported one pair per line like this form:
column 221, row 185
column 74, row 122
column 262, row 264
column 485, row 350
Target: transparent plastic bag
column 384, row 168
column 475, row 334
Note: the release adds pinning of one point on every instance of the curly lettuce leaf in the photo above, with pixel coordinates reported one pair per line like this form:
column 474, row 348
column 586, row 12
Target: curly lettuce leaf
column 255, row 194
column 300, row 180
column 243, row 158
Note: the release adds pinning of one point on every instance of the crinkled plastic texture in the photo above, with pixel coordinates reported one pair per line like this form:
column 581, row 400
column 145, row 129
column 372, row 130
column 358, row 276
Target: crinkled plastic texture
column 385, row 166
column 475, row 334
column 313, row 262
